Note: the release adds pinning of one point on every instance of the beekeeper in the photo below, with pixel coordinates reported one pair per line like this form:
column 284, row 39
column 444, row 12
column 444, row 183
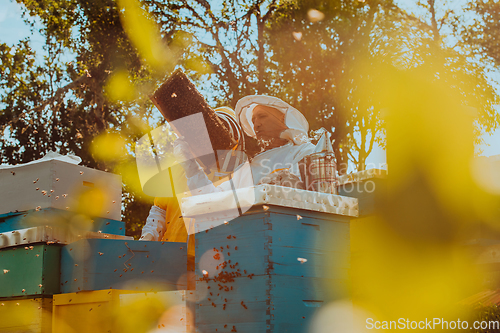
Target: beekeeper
column 165, row 222
column 281, row 131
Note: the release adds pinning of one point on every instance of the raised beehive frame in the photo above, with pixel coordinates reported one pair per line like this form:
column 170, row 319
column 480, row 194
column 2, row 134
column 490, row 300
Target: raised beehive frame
column 178, row 98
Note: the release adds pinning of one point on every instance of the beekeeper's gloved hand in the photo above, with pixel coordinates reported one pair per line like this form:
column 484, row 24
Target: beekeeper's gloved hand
column 155, row 226
column 184, row 156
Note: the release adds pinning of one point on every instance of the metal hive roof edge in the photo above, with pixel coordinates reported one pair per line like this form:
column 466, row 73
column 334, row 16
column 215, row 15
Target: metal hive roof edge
column 272, row 195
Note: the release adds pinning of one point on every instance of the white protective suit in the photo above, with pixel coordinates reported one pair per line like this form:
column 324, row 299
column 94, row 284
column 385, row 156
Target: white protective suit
column 154, row 229
column 269, row 161
column 167, row 209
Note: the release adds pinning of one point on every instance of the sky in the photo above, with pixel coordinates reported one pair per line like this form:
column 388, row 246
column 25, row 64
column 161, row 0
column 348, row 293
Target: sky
column 13, row 29
column 12, row 26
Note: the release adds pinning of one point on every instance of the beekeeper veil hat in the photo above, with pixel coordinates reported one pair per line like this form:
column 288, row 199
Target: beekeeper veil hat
column 294, row 120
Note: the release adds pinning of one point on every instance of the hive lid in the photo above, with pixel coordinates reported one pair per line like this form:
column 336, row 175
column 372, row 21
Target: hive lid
column 223, row 206
column 47, row 234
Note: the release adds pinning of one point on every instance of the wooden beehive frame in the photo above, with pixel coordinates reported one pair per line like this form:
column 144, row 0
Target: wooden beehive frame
column 177, row 98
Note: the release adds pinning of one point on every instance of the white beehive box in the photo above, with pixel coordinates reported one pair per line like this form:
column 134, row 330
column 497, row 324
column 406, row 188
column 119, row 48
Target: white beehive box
column 60, row 185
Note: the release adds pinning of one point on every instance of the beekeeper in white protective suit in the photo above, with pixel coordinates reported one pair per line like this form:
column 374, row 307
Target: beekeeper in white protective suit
column 281, row 131
column 165, row 221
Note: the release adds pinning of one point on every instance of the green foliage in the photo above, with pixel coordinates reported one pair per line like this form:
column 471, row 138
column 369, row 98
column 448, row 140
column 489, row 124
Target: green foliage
column 444, row 43
column 484, row 32
column 227, row 42
column 314, row 67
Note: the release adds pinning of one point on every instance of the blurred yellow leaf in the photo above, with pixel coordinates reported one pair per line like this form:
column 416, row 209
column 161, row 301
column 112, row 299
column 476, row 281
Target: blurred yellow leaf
column 108, row 147
column 128, row 171
column 145, row 35
column 119, row 88
column 91, row 202
column 198, row 65
column 409, row 259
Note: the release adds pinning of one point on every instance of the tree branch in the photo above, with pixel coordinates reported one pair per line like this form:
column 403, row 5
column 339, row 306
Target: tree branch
column 434, row 26
column 412, row 18
column 62, row 90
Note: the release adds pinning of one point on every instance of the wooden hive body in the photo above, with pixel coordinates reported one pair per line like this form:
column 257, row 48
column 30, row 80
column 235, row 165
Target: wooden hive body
column 32, row 315
column 95, row 264
column 105, row 311
column 266, row 287
column 60, row 185
column 31, row 271
column 59, row 218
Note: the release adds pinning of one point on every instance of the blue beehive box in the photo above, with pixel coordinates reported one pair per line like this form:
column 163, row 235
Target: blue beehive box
column 272, row 268
column 96, row 264
column 59, row 218
column 368, row 186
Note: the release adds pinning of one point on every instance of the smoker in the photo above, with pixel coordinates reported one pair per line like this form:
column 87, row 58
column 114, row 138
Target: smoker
column 319, row 170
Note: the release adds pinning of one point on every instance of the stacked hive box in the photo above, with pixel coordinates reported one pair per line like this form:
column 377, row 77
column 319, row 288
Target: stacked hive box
column 97, row 273
column 96, row 264
column 60, row 233
column 26, row 315
column 122, row 311
column 270, row 269
column 61, row 186
column 59, row 219
column 42, row 208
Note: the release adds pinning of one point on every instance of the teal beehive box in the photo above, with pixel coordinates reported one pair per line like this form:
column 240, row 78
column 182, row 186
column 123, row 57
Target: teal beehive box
column 60, row 219
column 271, row 268
column 96, row 264
column 30, row 270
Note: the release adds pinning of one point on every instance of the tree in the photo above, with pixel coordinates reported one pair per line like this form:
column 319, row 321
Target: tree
column 316, row 47
column 103, row 59
column 241, row 42
column 65, row 102
column 483, row 32
column 228, row 42
column 441, row 41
